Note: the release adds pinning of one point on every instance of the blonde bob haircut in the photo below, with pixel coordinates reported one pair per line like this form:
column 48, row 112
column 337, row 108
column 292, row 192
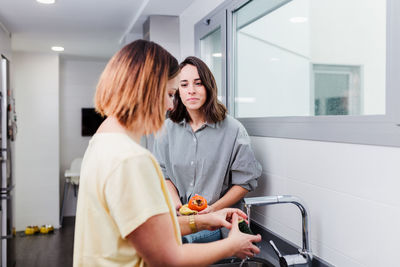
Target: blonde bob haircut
column 132, row 86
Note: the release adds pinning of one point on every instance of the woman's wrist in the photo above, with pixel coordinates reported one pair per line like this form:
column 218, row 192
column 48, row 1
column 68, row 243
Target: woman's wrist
column 213, row 208
column 230, row 246
column 201, row 221
column 193, row 223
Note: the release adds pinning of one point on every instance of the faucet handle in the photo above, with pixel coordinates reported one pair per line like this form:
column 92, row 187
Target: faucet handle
column 291, row 260
column 278, row 253
column 282, row 261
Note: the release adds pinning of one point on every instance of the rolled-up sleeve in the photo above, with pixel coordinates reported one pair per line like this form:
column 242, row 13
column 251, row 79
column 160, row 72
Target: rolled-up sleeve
column 245, row 168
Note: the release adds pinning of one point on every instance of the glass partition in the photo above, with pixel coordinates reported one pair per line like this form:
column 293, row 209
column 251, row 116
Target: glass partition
column 211, row 53
column 309, row 58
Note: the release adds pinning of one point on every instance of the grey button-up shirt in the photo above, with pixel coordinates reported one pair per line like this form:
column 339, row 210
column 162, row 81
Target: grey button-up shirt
column 209, row 161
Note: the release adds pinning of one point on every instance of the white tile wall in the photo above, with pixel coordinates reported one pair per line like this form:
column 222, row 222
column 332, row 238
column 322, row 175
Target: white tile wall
column 351, row 195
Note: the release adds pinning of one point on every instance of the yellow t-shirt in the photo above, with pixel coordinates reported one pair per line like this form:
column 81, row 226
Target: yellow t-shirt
column 121, row 186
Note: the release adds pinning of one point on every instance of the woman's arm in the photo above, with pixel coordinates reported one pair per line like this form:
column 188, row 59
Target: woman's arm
column 155, row 242
column 231, row 197
column 210, row 221
column 174, row 194
column 245, row 170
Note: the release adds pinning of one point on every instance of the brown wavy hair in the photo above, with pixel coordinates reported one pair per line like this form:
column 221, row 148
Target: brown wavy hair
column 132, row 85
column 212, row 108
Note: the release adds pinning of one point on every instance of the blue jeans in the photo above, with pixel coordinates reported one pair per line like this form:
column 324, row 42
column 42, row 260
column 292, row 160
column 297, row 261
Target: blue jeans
column 204, row 236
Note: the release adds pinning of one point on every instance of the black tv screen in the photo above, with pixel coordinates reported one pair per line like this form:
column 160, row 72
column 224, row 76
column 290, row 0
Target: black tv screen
column 91, row 120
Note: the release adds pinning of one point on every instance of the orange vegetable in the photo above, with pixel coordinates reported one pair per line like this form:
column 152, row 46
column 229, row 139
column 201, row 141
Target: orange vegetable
column 197, row 202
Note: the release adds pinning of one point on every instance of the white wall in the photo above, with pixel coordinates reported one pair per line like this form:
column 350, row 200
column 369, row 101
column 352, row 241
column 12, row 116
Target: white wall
column 78, row 80
column 5, row 43
column 164, row 30
column 36, row 84
column 351, row 190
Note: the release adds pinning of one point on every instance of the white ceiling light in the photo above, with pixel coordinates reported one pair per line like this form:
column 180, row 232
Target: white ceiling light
column 47, row 2
column 298, row 19
column 217, row 54
column 57, row 48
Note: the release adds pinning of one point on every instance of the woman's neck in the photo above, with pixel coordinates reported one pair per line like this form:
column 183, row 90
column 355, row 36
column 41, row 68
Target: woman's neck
column 197, row 119
column 112, row 125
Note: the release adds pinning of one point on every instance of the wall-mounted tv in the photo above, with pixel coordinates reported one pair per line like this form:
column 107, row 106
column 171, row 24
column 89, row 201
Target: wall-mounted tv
column 91, row 120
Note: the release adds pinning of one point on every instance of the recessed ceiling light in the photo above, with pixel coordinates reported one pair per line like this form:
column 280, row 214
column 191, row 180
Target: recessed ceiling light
column 298, row 19
column 57, row 48
column 217, row 54
column 47, row 2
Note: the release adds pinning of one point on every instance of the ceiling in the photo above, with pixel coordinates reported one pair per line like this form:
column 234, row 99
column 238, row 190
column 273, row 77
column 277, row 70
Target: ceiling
column 92, row 28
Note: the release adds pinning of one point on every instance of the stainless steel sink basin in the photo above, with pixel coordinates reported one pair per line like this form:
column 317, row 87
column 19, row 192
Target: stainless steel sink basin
column 235, row 262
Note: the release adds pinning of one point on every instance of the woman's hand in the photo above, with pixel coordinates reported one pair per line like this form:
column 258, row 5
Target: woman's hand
column 244, row 242
column 178, row 205
column 218, row 219
column 209, row 209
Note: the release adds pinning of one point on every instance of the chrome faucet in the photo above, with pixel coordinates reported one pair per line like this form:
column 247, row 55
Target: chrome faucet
column 305, row 255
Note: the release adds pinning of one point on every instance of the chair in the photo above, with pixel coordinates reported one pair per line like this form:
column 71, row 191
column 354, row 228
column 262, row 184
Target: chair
column 71, row 179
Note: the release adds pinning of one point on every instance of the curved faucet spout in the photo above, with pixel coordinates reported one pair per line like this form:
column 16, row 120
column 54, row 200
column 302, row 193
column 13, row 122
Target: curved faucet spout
column 280, row 199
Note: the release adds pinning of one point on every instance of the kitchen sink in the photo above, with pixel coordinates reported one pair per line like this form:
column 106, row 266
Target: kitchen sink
column 236, row 262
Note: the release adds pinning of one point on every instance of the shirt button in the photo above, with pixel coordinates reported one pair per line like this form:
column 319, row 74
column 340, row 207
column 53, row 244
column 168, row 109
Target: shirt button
column 194, row 139
column 191, row 163
column 191, row 184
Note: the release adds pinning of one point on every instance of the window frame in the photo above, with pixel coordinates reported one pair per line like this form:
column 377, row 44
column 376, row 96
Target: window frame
column 382, row 130
column 216, row 19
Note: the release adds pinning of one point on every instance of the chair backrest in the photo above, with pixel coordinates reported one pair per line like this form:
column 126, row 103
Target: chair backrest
column 75, row 167
column 76, row 164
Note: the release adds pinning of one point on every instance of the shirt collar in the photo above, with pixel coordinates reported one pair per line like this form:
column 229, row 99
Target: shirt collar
column 182, row 122
column 209, row 124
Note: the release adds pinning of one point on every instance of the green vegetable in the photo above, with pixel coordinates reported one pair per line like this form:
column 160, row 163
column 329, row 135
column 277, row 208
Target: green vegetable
column 244, row 227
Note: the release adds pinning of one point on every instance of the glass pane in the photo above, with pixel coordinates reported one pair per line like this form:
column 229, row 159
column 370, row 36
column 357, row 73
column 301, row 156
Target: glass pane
column 211, row 54
column 310, row 58
column 337, row 90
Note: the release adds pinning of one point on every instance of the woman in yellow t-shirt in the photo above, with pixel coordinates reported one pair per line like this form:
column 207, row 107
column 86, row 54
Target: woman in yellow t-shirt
column 125, row 216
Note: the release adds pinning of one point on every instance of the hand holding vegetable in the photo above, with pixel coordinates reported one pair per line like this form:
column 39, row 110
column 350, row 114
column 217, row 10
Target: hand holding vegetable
column 207, row 210
column 246, row 247
column 196, row 203
column 184, row 210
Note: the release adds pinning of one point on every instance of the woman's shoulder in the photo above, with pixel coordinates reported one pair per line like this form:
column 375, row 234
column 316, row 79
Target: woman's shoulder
column 117, row 144
column 112, row 150
column 171, row 126
column 234, row 126
column 231, row 123
column 169, row 123
column 168, row 127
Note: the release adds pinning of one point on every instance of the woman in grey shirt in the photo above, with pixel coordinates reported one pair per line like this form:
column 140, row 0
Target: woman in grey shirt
column 202, row 150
